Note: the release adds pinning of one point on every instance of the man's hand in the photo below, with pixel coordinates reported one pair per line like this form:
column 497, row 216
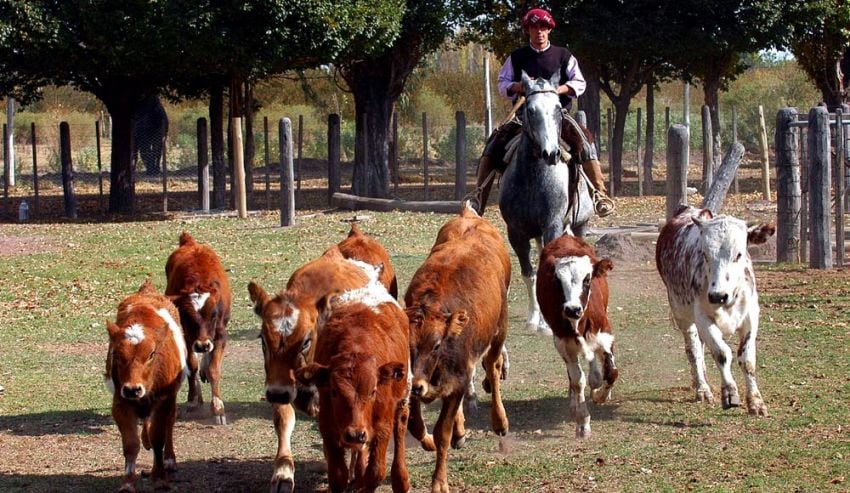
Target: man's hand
column 516, row 88
column 565, row 90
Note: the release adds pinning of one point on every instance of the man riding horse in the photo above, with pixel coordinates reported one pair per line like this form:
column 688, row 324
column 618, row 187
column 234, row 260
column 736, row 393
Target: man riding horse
column 540, row 59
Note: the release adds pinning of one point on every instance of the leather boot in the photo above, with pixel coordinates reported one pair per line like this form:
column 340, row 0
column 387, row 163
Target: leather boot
column 601, row 202
column 479, row 196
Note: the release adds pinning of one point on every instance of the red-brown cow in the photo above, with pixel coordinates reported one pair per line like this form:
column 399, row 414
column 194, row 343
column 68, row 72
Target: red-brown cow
column 200, row 289
column 145, row 365
column 288, row 331
column 572, row 290
column 458, row 311
column 361, row 371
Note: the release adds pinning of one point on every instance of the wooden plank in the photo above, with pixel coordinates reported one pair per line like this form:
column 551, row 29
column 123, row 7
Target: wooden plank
column 354, row 202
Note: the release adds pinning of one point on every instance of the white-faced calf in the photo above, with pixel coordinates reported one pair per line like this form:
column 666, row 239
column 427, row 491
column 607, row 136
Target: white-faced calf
column 145, row 365
column 572, row 289
column 711, row 287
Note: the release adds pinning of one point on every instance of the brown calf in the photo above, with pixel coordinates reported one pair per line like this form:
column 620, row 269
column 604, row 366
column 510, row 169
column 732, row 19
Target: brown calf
column 145, row 365
column 361, row 371
column 572, row 290
column 458, row 311
column 200, row 289
column 288, row 331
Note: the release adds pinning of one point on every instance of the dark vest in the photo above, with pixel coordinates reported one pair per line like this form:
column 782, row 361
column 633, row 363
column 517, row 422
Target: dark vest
column 535, row 64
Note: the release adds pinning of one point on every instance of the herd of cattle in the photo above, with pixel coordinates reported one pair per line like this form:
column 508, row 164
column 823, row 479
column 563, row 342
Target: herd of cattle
column 338, row 345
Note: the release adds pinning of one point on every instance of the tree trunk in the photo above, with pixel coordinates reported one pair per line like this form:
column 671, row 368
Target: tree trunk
column 712, row 100
column 371, row 176
column 217, row 146
column 589, row 102
column 621, row 110
column 649, row 151
column 122, row 191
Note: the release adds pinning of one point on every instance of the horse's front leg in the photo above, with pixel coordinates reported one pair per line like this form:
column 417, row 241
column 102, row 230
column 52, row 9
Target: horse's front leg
column 522, row 247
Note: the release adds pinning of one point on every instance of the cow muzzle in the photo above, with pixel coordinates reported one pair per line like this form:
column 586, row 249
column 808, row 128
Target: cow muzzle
column 133, row 392
column 572, row 312
column 205, row 346
column 353, row 436
column 718, row 298
column 281, row 395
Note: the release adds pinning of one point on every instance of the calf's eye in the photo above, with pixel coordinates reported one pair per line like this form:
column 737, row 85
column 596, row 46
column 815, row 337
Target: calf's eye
column 150, row 358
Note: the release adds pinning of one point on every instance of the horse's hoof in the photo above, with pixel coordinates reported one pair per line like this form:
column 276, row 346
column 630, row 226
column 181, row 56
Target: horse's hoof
column 544, row 330
column 283, row 486
column 220, row 419
column 583, row 431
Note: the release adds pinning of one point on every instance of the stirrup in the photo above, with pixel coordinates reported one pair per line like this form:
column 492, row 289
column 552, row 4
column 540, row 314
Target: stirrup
column 602, row 204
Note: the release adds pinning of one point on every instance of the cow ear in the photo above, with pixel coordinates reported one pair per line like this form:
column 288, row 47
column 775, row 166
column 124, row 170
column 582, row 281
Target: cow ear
column 112, row 329
column 602, row 267
column 147, row 287
column 314, row 374
column 759, row 234
column 259, row 297
column 390, row 372
column 457, row 322
column 324, row 307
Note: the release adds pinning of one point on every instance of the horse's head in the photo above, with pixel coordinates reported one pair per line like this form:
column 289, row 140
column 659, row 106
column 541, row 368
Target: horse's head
column 542, row 121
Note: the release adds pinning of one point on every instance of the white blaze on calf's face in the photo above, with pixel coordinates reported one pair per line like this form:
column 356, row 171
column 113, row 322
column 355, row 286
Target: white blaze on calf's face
column 134, row 334
column 723, row 244
column 199, row 300
column 574, row 274
column 286, row 324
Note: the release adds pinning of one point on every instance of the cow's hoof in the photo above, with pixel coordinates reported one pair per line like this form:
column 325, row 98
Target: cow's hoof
column 220, row 419
column 127, row 488
column 544, row 330
column 731, row 400
column 757, row 409
column 162, row 485
column 283, row 486
column 601, row 396
column 583, row 431
column 170, row 465
column 705, row 395
column 458, row 442
column 440, row 487
column 428, row 443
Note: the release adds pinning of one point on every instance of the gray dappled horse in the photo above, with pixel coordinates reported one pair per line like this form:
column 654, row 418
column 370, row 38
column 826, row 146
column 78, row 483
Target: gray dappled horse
column 534, row 197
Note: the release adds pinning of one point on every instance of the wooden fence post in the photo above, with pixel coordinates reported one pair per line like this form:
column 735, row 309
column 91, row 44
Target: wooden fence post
column 666, row 118
column 707, row 151
column 787, row 187
column 460, row 155
column 267, row 161
column 99, row 164
column 67, row 171
column 203, row 165
column 287, row 188
column 300, row 154
column 677, row 168
column 638, row 163
column 6, row 206
column 735, row 140
column 239, row 167
column 839, row 187
column 820, row 251
column 164, row 157
column 765, row 165
column 35, row 168
column 425, row 153
column 333, row 155
column 804, row 197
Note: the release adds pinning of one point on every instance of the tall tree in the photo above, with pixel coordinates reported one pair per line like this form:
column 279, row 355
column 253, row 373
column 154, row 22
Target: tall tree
column 376, row 81
column 820, row 41
column 125, row 50
column 713, row 39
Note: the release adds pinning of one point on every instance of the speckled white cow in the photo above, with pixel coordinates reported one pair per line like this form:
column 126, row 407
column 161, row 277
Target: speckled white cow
column 711, row 286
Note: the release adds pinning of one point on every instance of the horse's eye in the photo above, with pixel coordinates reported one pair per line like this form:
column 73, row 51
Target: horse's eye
column 738, row 257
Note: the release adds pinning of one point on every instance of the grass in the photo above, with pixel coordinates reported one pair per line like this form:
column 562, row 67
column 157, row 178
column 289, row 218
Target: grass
column 56, row 433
